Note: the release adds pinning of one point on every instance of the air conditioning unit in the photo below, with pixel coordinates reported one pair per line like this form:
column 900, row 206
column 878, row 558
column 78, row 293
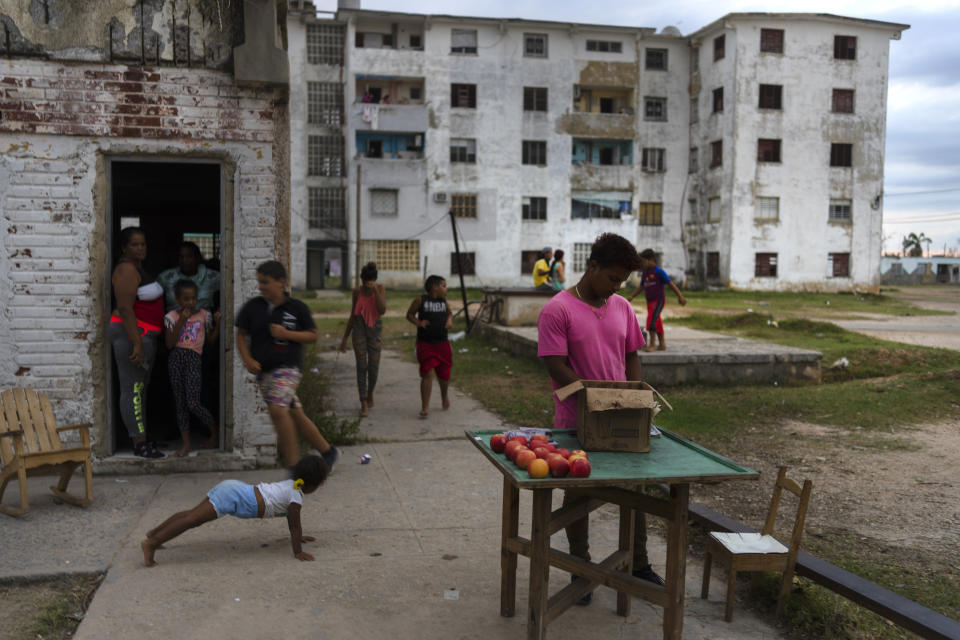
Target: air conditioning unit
column 440, row 197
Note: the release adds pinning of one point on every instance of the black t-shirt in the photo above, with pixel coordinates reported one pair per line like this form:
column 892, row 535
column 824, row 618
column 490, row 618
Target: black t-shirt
column 255, row 318
column 434, row 310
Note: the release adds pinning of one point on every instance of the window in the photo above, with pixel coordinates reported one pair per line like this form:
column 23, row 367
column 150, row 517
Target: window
column 767, row 209
column 324, row 103
column 535, row 152
column 655, row 59
column 463, row 150
column 845, row 47
column 768, row 150
column 839, row 265
column 463, row 96
column 652, row 160
column 771, row 40
column 535, row 45
column 713, row 209
column 650, row 213
column 840, row 210
column 718, row 100
column 716, row 154
column 373, row 40
column 464, row 205
column 694, row 111
column 581, row 255
column 606, row 46
column 391, row 255
column 325, row 208
column 611, row 205
column 528, row 258
column 603, row 152
column 325, row 156
column 655, row 109
column 416, row 41
column 534, row 98
column 694, row 165
column 467, row 260
column 719, row 47
column 416, row 93
column 534, row 208
column 841, row 154
column 713, row 264
column 843, row 100
column 383, row 202
column 765, row 265
column 325, row 43
column 463, row 41
column 771, row 96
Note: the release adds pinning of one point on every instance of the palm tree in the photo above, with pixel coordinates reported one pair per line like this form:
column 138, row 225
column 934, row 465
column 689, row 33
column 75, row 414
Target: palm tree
column 913, row 244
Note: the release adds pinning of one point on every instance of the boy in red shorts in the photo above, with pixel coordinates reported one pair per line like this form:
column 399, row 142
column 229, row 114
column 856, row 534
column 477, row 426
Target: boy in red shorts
column 652, row 280
column 433, row 318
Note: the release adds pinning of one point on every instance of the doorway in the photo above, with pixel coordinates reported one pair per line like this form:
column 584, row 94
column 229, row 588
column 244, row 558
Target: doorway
column 173, row 202
column 326, row 265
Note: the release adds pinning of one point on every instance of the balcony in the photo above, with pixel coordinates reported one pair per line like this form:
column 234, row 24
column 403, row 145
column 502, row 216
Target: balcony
column 389, row 117
column 598, row 125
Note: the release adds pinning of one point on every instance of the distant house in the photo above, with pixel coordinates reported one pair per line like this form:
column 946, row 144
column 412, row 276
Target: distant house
column 929, row 270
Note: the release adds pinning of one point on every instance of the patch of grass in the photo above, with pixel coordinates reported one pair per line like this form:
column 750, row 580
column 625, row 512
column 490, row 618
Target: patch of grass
column 800, row 302
column 57, row 616
column 398, row 300
column 314, row 393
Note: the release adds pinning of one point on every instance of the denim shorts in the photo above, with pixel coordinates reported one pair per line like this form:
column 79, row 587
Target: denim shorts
column 234, row 498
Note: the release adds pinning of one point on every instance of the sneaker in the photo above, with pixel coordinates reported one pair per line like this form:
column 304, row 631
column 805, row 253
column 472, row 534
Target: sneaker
column 647, row 573
column 330, row 457
column 147, row 450
column 585, row 600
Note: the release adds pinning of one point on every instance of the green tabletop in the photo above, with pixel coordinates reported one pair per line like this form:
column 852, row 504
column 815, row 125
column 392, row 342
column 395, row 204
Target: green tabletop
column 671, row 459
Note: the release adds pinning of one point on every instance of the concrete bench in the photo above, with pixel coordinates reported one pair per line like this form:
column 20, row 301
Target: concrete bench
column 517, row 306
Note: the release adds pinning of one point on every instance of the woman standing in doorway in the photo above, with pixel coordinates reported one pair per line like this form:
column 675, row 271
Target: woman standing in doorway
column 135, row 326
column 369, row 303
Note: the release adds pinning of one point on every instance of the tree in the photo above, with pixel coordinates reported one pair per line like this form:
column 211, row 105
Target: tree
column 913, row 244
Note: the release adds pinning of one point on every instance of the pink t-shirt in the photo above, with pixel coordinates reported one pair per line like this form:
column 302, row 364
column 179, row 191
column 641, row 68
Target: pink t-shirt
column 194, row 331
column 595, row 341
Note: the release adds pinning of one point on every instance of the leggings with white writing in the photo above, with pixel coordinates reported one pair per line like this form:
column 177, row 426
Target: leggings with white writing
column 366, row 347
column 184, row 367
column 133, row 378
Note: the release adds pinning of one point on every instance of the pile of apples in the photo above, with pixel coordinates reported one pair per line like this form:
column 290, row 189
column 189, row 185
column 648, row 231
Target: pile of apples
column 540, row 458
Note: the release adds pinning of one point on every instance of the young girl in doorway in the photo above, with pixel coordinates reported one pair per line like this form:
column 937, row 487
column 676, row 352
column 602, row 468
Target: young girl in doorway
column 239, row 499
column 186, row 330
column 369, row 303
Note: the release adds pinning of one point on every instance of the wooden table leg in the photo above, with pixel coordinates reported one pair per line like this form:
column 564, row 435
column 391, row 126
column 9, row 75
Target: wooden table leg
column 626, row 544
column 508, row 559
column 676, row 561
column 539, row 564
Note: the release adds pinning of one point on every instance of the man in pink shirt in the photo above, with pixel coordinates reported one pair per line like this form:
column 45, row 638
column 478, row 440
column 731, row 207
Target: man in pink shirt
column 589, row 332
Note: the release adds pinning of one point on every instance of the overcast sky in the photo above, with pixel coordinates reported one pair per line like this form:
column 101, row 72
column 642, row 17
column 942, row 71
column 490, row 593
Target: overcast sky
column 922, row 176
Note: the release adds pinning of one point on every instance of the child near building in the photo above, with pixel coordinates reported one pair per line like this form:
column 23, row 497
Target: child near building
column 186, row 330
column 276, row 327
column 652, row 280
column 432, row 317
column 241, row 500
column 366, row 324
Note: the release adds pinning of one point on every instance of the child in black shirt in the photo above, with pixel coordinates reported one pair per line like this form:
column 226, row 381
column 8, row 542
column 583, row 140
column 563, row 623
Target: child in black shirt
column 433, row 318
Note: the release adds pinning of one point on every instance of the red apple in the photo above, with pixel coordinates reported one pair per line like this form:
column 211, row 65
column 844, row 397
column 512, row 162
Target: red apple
column 554, row 456
column 497, row 442
column 524, row 458
column 564, row 452
column 580, row 467
column 511, row 449
column 539, row 437
column 559, row 467
column 520, row 439
column 542, row 452
column 551, row 448
column 580, row 452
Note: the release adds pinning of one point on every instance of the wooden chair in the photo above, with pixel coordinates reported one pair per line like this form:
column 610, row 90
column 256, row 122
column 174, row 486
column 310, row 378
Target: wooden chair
column 30, row 446
column 760, row 551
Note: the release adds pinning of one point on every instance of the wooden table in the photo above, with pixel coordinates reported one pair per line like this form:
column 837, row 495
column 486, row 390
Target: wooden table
column 615, row 478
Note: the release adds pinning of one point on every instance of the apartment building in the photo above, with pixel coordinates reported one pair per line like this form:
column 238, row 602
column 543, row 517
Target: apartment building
column 747, row 153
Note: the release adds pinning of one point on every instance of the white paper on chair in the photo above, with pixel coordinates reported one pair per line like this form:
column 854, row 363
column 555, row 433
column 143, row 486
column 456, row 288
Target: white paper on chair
column 748, row 542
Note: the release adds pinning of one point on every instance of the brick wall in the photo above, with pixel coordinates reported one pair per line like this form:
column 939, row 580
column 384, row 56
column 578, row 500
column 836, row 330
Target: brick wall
column 57, row 122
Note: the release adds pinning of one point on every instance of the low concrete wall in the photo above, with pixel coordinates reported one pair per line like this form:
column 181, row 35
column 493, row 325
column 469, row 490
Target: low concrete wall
column 518, row 307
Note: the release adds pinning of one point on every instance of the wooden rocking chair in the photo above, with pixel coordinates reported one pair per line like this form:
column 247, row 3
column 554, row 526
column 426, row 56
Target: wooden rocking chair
column 30, row 446
column 760, row 551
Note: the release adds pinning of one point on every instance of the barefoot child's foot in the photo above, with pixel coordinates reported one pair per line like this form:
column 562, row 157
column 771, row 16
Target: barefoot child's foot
column 662, row 347
column 182, row 451
column 424, row 413
column 364, row 410
column 446, row 403
column 148, row 548
column 370, row 401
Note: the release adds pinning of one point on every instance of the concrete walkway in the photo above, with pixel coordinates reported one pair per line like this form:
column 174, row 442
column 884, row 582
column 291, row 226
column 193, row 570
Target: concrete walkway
column 408, row 546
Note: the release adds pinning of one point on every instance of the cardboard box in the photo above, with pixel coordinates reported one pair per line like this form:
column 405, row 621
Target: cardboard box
column 613, row 416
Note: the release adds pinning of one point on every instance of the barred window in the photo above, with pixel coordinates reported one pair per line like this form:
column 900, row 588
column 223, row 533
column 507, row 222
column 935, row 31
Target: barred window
column 694, row 165
column 652, row 160
column 325, row 208
column 771, row 40
column 534, row 208
column 464, row 205
column 650, row 214
column 463, row 96
column 391, row 255
column 581, row 255
column 843, row 100
column 325, row 43
column 535, row 45
column 719, row 47
column 718, row 100
column 655, row 59
column 324, row 103
column 383, row 202
column 840, row 210
column 606, row 46
column 534, row 152
column 841, row 154
column 839, row 265
column 845, row 47
column 463, row 41
column 768, row 150
column 467, row 259
column 325, row 156
column 463, row 150
column 771, row 96
column 767, row 209
column 694, row 111
column 655, row 109
column 534, row 98
column 208, row 243
column 713, row 264
column 765, row 265
column 716, row 154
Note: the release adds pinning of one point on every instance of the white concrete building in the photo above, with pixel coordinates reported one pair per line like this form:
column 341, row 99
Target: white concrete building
column 544, row 133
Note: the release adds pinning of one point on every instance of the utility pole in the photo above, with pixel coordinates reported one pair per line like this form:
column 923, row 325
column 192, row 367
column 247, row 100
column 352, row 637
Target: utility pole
column 356, row 272
column 456, row 247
